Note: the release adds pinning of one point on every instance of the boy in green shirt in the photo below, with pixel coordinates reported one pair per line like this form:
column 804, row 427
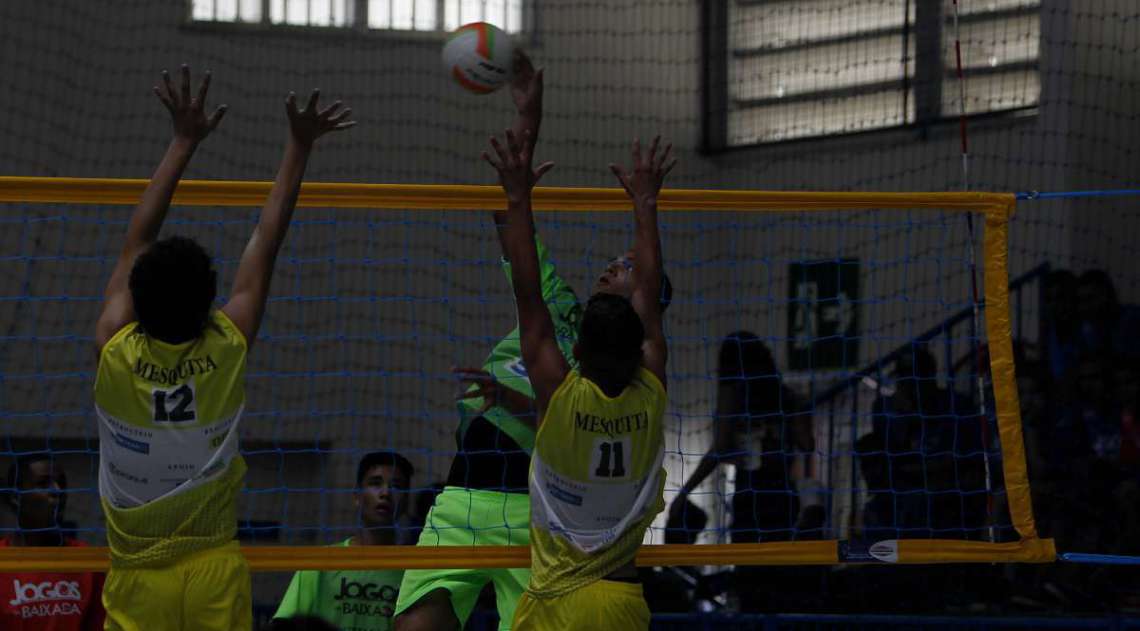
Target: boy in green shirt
column 359, row 600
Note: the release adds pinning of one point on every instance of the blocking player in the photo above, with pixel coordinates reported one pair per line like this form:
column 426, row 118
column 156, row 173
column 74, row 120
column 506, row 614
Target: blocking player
column 485, row 500
column 596, row 479
column 169, row 389
column 359, row 600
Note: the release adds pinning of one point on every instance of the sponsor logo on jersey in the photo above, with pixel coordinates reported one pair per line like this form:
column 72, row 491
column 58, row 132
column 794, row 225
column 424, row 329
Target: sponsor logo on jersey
column 611, row 426
column 125, row 475
column 28, row 593
column 130, row 443
column 372, row 599
column 172, row 376
column 563, row 495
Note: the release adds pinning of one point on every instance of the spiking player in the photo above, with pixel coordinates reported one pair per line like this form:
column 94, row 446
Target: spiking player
column 596, row 480
column 485, row 500
column 170, row 391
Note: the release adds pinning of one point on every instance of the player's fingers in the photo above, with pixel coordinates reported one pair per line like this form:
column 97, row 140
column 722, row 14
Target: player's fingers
column 343, row 114
column 343, row 126
column 169, row 88
column 542, row 170
column 665, row 155
column 312, row 105
column 185, row 84
column 636, row 152
column 619, row 172
column 217, row 116
column 652, row 157
column 162, row 97
column 203, row 89
column 500, row 151
column 669, row 167
column 291, row 104
column 491, row 162
column 513, row 143
column 330, row 110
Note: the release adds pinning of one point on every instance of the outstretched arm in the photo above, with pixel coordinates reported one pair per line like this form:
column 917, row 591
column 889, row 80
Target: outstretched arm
column 251, row 283
column 526, row 92
column 643, row 184
column 543, row 360
column 191, row 126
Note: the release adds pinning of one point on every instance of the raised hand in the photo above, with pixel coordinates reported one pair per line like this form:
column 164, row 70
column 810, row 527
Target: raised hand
column 487, row 387
column 514, row 166
column 526, row 85
column 188, row 113
column 648, row 171
column 310, row 123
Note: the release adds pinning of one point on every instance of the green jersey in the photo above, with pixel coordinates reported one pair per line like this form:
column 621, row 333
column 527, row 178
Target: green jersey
column 505, row 361
column 352, row 600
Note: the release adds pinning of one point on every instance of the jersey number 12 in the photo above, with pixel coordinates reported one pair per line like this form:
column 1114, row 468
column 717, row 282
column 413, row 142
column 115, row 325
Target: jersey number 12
column 174, row 406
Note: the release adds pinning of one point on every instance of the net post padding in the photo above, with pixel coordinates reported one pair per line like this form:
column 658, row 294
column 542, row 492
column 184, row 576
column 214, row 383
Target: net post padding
column 997, row 209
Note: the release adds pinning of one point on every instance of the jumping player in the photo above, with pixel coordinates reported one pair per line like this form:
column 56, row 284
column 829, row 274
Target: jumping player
column 596, row 479
column 485, row 500
column 170, row 389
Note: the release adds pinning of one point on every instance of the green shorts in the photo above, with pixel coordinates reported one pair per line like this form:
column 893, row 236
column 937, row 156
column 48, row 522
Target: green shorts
column 466, row 517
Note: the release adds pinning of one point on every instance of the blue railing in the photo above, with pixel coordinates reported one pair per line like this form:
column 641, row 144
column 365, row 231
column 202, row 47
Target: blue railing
column 847, row 390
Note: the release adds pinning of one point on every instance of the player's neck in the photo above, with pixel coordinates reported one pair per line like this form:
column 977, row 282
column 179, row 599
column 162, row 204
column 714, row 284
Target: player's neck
column 609, row 388
column 380, row 536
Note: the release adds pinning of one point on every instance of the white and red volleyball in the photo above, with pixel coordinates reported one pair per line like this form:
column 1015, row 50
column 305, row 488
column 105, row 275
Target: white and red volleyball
column 479, row 56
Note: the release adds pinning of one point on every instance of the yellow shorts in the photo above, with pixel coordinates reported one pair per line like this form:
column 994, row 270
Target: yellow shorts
column 599, row 606
column 205, row 591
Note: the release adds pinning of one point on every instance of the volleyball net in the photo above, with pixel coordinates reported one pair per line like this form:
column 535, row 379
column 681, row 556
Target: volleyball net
column 854, row 351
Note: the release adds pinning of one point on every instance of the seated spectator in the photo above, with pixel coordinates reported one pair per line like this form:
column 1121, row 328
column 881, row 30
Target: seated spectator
column 761, row 427
column 58, row 601
column 1059, row 321
column 362, row 600
column 923, row 461
column 1106, row 327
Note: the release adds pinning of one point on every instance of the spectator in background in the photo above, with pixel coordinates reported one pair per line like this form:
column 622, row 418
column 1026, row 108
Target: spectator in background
column 360, row 600
column 1106, row 327
column 923, row 461
column 1059, row 321
column 761, row 428
column 52, row 601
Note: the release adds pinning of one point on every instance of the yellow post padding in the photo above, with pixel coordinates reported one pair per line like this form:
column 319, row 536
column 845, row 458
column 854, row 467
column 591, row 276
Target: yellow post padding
column 996, row 207
column 454, row 197
column 958, row 551
column 998, row 332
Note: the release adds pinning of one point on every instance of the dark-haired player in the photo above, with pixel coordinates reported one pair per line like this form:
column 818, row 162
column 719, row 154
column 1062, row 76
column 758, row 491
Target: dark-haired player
column 359, row 600
column 596, row 479
column 485, row 500
column 170, row 389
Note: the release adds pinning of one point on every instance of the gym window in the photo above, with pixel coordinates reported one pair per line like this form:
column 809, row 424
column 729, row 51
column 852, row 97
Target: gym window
column 387, row 15
column 779, row 70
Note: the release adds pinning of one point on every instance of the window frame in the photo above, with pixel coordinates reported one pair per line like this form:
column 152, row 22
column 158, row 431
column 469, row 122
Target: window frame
column 930, row 72
column 357, row 24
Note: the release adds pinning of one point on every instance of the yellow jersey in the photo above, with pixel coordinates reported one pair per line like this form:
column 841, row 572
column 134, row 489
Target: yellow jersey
column 169, row 466
column 596, row 481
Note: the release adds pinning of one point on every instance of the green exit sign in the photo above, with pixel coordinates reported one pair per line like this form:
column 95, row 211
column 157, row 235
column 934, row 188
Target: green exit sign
column 823, row 314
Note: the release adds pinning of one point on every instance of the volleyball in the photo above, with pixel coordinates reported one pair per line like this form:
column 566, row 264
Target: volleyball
column 479, row 57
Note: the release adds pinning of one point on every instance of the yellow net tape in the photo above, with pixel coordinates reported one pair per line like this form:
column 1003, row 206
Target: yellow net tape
column 997, row 208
